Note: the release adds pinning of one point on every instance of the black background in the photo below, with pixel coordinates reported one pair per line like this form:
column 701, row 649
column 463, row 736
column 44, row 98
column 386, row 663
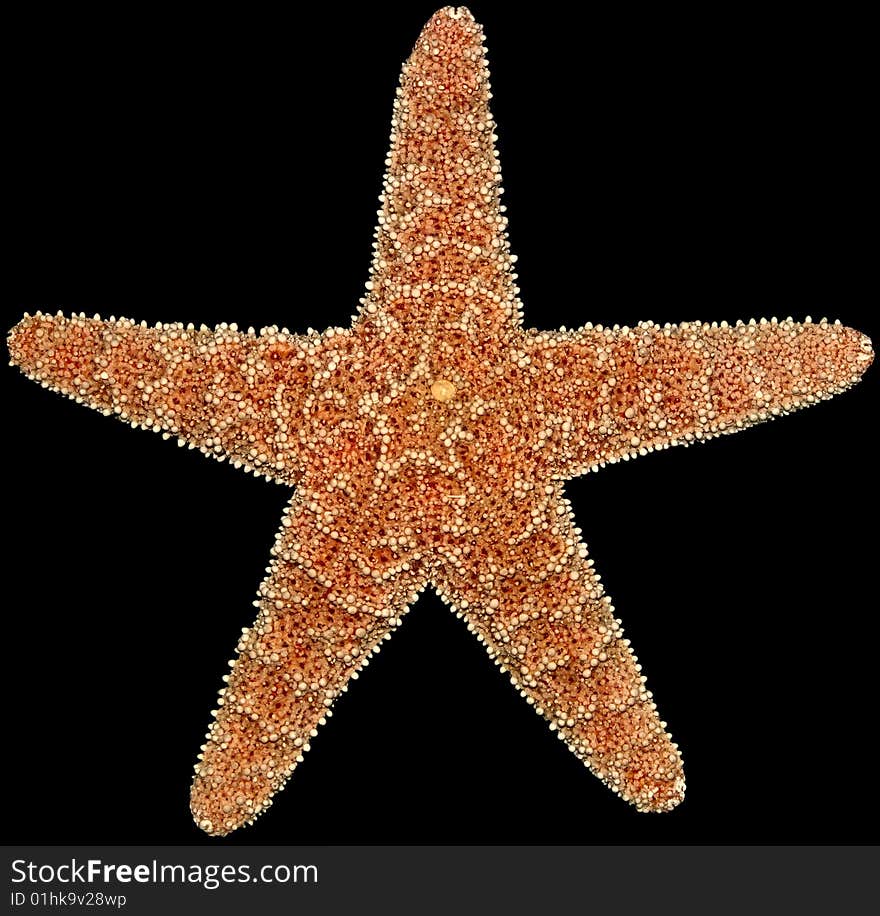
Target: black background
column 227, row 167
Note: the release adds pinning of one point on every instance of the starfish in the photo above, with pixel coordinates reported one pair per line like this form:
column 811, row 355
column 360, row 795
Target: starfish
column 429, row 444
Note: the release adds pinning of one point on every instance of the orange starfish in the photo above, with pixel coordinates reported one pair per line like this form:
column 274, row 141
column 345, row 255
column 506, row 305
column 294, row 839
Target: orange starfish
column 428, row 444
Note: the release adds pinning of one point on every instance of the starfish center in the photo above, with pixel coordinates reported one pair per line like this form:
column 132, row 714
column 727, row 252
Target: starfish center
column 442, row 390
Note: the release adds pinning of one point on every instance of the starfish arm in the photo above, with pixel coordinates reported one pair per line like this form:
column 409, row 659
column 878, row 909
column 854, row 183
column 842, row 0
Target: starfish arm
column 323, row 611
column 539, row 609
column 231, row 394
column 441, row 225
column 614, row 393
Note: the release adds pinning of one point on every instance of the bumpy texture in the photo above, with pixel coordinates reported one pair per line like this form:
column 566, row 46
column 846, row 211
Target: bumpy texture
column 428, row 444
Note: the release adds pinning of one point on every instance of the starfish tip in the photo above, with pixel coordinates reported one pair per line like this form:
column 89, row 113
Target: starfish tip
column 454, row 22
column 866, row 348
column 454, row 12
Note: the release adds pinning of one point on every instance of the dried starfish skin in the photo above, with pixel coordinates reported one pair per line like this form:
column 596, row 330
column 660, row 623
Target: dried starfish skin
column 428, row 444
